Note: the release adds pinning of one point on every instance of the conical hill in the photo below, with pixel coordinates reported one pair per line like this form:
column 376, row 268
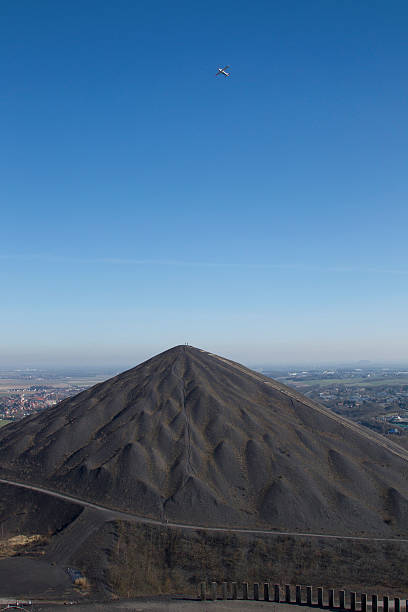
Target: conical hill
column 190, row 437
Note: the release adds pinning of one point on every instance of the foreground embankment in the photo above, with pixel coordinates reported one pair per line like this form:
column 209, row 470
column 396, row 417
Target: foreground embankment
column 142, row 560
column 127, row 558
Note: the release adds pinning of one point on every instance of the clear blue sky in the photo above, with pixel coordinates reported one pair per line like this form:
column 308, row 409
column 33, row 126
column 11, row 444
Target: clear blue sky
column 146, row 202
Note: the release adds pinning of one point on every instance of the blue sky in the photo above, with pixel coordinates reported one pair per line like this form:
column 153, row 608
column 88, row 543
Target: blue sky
column 146, row 202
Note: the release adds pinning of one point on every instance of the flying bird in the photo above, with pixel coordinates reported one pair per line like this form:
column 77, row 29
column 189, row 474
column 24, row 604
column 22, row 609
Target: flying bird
column 222, row 71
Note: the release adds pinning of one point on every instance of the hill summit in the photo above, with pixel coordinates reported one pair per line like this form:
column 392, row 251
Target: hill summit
column 191, row 437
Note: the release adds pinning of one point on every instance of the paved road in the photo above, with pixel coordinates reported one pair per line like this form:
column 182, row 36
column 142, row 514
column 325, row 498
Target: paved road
column 172, row 605
column 111, row 514
column 179, row 606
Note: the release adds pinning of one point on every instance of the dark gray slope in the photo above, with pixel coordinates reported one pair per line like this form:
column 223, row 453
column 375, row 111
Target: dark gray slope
column 196, row 438
column 23, row 577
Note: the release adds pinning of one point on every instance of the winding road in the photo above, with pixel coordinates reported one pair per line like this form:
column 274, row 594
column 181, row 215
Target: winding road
column 111, row 515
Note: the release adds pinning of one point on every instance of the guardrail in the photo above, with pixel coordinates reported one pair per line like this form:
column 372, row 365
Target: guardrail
column 303, row 596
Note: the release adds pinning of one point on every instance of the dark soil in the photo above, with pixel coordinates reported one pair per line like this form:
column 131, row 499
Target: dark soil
column 192, row 437
column 20, row 577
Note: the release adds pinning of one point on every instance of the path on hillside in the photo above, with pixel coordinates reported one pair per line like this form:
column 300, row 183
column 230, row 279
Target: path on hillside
column 112, row 515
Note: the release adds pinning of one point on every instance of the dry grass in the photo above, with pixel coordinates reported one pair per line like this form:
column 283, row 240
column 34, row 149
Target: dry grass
column 148, row 560
column 18, row 544
column 83, row 585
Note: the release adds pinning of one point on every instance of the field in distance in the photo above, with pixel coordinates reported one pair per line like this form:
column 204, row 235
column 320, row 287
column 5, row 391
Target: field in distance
column 374, row 396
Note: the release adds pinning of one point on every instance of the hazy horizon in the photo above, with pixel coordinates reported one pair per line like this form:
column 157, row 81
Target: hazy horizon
column 249, row 359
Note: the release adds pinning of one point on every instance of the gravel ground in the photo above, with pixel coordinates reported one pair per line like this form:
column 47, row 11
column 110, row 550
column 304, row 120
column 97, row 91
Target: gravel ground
column 168, row 604
column 21, row 575
column 175, row 605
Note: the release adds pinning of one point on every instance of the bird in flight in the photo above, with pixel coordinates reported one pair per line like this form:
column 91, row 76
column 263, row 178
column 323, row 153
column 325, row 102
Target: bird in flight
column 222, row 71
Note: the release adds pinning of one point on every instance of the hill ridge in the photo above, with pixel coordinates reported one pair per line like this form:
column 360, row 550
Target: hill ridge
column 292, row 393
column 191, row 437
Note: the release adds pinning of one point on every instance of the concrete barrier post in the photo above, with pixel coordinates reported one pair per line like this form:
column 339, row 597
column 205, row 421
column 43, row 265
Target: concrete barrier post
column 363, row 602
column 244, row 590
column 331, row 598
column 298, row 595
column 234, row 589
column 309, row 595
column 276, row 589
column 342, row 600
column 256, row 591
column 385, row 603
column 266, row 591
column 320, row 597
column 353, row 601
column 214, row 591
column 224, row 590
column 202, row 591
column 374, row 603
column 396, row 604
column 287, row 593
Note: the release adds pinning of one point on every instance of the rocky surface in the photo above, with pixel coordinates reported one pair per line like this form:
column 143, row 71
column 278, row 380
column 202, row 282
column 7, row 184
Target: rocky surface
column 190, row 437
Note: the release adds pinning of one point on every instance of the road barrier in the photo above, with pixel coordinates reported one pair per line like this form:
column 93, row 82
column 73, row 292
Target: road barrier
column 304, row 596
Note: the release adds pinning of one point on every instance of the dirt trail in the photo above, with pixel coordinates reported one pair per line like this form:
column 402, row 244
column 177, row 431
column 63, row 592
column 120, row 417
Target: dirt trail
column 102, row 514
